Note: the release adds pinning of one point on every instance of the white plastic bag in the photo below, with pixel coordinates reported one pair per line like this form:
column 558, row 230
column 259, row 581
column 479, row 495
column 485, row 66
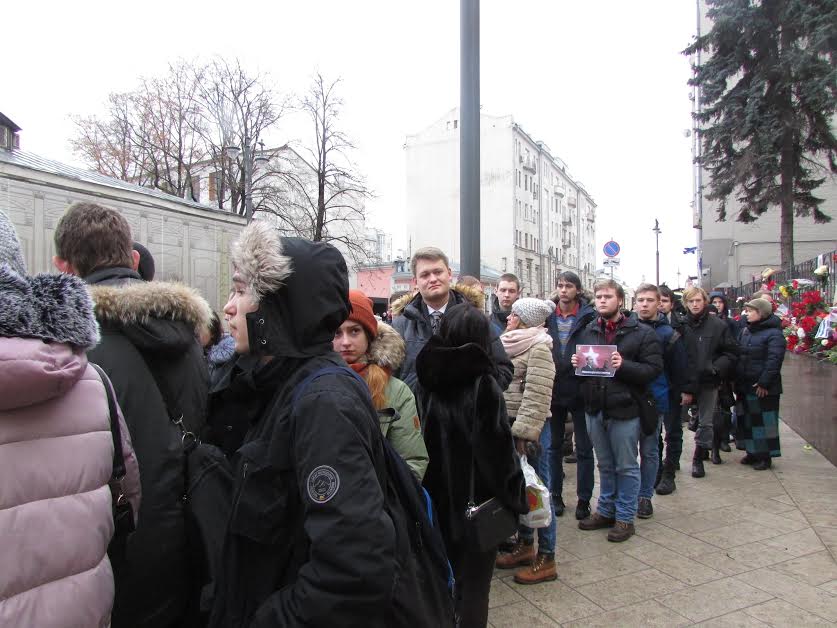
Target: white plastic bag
column 540, row 501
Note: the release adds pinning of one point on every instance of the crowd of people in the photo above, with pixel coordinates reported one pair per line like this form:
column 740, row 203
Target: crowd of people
column 114, row 387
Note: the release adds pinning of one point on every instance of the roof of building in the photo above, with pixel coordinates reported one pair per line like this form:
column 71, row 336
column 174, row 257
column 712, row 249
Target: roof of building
column 5, row 121
column 31, row 161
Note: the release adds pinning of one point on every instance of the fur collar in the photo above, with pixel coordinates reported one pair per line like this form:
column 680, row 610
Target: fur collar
column 444, row 369
column 258, row 257
column 134, row 303
column 387, row 350
column 474, row 295
column 399, row 304
column 55, row 308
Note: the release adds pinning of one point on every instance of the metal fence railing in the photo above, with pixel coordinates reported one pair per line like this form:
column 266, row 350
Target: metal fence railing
column 803, row 270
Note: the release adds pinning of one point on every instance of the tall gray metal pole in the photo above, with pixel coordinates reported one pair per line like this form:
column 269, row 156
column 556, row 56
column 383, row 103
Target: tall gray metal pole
column 469, row 139
column 657, row 231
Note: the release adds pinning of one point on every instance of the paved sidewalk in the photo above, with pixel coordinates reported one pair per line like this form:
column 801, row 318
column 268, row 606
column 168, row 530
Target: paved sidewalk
column 736, row 548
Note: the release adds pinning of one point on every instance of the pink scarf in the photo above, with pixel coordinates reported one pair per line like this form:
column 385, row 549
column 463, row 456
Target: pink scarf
column 518, row 341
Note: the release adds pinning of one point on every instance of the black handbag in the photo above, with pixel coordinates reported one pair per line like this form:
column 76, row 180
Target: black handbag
column 649, row 416
column 491, row 522
column 123, row 512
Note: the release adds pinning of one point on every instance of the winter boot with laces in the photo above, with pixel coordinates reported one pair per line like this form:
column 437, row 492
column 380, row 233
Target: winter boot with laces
column 622, row 531
column 521, row 554
column 542, row 569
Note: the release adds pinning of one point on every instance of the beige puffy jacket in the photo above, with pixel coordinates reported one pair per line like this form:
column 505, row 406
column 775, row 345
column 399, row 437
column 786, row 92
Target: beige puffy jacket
column 529, row 396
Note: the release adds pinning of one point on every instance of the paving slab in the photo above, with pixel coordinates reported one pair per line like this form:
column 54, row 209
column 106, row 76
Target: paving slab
column 736, row 548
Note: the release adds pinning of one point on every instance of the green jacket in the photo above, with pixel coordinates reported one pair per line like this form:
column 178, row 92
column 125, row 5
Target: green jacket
column 403, row 430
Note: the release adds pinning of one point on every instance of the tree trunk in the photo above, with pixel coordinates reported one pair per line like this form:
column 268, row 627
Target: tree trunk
column 786, row 164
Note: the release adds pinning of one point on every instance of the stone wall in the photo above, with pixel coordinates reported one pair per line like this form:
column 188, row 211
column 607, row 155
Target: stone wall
column 809, row 401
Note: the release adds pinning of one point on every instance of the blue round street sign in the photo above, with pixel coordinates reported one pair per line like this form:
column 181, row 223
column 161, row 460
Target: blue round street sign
column 611, row 248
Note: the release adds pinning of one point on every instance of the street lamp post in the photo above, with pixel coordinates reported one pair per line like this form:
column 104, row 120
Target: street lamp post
column 657, row 232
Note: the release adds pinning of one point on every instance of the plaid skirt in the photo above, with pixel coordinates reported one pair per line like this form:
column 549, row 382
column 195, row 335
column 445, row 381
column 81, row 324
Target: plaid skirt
column 758, row 425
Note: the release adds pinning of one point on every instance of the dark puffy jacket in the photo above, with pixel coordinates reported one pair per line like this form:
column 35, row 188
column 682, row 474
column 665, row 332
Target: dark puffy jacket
column 151, row 327
column 415, row 328
column 565, row 391
column 762, row 351
column 498, row 318
column 711, row 351
column 309, row 542
column 674, row 362
column 642, row 362
column 448, row 376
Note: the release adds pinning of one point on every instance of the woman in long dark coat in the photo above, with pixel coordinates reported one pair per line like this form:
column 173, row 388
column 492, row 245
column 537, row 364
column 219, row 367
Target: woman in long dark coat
column 758, row 385
column 458, row 385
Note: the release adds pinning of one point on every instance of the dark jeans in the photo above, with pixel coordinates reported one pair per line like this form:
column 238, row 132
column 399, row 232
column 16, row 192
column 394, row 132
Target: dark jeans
column 583, row 452
column 472, row 571
column 674, row 432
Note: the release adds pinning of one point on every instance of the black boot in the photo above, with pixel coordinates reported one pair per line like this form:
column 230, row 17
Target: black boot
column 716, row 454
column 763, row 463
column 666, row 485
column 697, row 463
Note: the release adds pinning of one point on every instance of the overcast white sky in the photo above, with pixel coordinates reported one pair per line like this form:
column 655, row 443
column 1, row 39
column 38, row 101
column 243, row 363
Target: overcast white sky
column 601, row 82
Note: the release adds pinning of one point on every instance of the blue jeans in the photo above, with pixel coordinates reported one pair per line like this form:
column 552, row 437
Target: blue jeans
column 649, row 460
column 583, row 451
column 546, row 536
column 616, row 442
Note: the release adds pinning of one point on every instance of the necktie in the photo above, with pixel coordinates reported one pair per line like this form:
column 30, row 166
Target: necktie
column 436, row 321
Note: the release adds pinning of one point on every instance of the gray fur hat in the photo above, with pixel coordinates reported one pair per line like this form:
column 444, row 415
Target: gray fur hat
column 257, row 258
column 56, row 308
column 533, row 312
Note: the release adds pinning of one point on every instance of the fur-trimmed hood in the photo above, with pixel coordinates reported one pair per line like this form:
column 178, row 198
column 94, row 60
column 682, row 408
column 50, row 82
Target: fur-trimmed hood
column 399, row 304
column 387, row 349
column 136, row 302
column 473, row 294
column 257, row 256
column 55, row 308
column 303, row 290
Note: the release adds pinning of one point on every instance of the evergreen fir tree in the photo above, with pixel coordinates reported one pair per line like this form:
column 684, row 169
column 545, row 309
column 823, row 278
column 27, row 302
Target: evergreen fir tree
column 768, row 90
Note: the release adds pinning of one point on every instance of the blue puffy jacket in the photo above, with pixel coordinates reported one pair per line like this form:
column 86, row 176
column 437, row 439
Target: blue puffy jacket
column 674, row 361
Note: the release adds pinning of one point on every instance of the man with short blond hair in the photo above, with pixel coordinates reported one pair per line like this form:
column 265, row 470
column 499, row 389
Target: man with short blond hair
column 422, row 317
column 712, row 352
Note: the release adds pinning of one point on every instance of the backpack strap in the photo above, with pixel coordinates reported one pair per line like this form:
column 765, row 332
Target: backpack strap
column 299, row 389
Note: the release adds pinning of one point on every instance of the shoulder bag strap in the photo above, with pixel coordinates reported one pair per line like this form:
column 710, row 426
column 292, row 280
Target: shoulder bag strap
column 471, row 502
column 118, row 460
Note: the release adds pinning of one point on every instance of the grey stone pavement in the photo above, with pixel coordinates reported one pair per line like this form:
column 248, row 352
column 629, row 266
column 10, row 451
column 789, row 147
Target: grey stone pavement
column 736, row 548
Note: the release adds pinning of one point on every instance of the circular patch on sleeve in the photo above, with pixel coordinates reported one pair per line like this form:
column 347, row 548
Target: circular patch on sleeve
column 323, row 484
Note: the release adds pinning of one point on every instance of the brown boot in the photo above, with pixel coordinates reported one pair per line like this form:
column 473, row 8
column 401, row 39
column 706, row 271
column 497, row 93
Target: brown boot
column 596, row 522
column 521, row 554
column 622, row 531
column 542, row 569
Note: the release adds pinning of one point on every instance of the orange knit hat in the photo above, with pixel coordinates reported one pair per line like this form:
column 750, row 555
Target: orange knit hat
column 362, row 312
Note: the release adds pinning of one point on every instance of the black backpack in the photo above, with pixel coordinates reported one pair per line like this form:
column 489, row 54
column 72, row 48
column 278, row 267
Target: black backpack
column 423, row 594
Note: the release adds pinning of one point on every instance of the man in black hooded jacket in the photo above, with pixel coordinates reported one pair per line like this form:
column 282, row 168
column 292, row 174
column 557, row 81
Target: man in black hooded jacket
column 150, row 352
column 309, row 542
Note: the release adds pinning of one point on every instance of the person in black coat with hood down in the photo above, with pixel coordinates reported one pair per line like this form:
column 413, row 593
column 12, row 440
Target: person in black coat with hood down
column 758, row 384
column 150, row 352
column 458, row 378
column 309, row 542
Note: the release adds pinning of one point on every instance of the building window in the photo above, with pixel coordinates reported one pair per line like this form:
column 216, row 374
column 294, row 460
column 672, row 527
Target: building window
column 456, row 124
column 196, row 188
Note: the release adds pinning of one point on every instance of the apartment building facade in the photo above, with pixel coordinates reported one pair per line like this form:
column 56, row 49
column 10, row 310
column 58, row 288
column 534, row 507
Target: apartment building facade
column 536, row 220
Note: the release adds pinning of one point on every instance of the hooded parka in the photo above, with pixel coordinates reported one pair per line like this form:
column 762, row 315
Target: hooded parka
column 309, row 542
column 56, row 455
column 148, row 329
